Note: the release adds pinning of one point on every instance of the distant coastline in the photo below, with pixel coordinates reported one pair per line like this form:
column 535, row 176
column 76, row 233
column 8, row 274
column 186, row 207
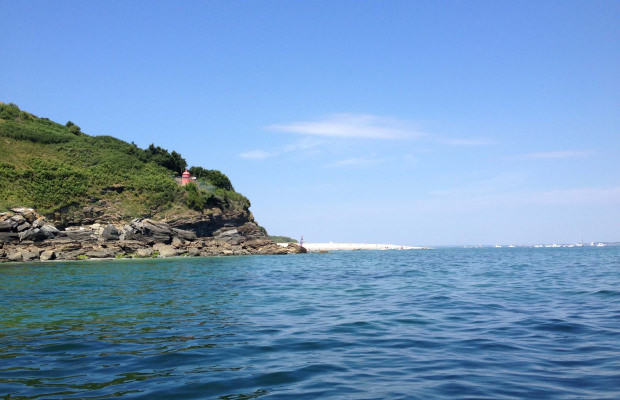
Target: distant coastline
column 331, row 246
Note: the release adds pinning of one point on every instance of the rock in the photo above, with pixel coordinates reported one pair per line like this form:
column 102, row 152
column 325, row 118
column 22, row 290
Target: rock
column 147, row 231
column 227, row 252
column 67, row 246
column 131, row 246
column 167, row 251
column 49, row 231
column 101, row 253
column 30, row 255
column 23, row 226
column 142, row 253
column 47, row 255
column 9, row 237
column 183, row 234
column 158, row 231
column 15, row 256
column 17, row 219
column 26, row 213
column 38, row 223
column 6, row 226
column 176, row 242
column 193, row 252
column 92, row 213
column 80, row 235
column 228, row 235
column 251, row 230
column 110, row 233
column 33, row 234
column 294, row 248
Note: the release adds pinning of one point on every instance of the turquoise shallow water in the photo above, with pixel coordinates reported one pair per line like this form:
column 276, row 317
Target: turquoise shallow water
column 442, row 324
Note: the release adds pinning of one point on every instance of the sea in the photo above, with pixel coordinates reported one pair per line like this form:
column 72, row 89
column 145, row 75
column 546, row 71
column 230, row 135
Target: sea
column 451, row 323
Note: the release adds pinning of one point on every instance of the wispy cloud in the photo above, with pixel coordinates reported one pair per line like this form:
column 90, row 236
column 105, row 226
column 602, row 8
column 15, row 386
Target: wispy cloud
column 303, row 144
column 257, row 155
column 559, row 154
column 357, row 162
column 351, row 126
column 306, row 144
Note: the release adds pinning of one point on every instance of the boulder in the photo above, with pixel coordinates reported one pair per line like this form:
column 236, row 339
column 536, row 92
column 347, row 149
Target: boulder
column 34, row 234
column 143, row 253
column 166, row 251
column 49, row 231
column 47, row 255
column 30, row 255
column 176, row 242
column 110, row 233
column 157, row 231
column 14, row 256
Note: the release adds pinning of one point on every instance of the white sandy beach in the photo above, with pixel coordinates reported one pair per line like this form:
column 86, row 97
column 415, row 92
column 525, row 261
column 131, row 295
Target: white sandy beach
column 331, row 246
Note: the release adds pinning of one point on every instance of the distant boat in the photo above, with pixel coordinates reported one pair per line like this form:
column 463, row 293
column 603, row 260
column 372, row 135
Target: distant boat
column 580, row 244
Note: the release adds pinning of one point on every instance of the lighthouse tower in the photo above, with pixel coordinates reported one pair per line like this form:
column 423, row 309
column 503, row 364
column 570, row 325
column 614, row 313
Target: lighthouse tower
column 185, row 178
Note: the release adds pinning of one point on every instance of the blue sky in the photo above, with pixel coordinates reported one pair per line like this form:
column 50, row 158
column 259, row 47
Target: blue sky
column 407, row 122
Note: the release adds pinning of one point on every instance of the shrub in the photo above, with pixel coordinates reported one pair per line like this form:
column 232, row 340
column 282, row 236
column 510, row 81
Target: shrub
column 197, row 198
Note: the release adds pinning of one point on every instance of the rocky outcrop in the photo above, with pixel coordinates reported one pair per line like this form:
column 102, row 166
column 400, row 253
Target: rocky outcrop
column 28, row 236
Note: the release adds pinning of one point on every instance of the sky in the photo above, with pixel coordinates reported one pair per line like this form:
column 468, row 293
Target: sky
column 406, row 122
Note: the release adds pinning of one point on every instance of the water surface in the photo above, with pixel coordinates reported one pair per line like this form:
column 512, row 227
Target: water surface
column 443, row 324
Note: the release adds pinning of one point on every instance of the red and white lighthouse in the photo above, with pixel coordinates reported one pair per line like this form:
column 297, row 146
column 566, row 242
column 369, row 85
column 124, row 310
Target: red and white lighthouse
column 185, row 178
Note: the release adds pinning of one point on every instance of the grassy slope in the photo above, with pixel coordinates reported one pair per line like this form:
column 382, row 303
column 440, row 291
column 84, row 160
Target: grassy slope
column 49, row 166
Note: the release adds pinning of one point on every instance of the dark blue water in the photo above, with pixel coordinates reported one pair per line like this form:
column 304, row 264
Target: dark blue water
column 442, row 324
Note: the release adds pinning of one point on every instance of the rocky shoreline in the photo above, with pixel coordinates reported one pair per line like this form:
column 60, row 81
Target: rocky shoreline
column 27, row 236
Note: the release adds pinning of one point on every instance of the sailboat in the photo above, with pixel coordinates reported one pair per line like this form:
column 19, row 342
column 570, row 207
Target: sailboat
column 580, row 244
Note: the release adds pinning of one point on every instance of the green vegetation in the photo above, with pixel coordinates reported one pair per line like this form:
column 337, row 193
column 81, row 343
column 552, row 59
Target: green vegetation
column 53, row 167
column 283, row 239
column 213, row 177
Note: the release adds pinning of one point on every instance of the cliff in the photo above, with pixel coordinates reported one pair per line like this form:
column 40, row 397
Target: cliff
column 67, row 195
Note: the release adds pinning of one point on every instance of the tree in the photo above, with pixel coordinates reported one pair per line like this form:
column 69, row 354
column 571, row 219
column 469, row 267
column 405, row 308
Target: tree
column 213, row 176
column 174, row 162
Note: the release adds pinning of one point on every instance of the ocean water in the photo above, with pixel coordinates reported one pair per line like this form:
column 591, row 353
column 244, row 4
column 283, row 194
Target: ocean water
column 506, row 323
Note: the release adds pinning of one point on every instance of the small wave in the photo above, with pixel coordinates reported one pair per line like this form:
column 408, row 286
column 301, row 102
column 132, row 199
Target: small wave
column 607, row 293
